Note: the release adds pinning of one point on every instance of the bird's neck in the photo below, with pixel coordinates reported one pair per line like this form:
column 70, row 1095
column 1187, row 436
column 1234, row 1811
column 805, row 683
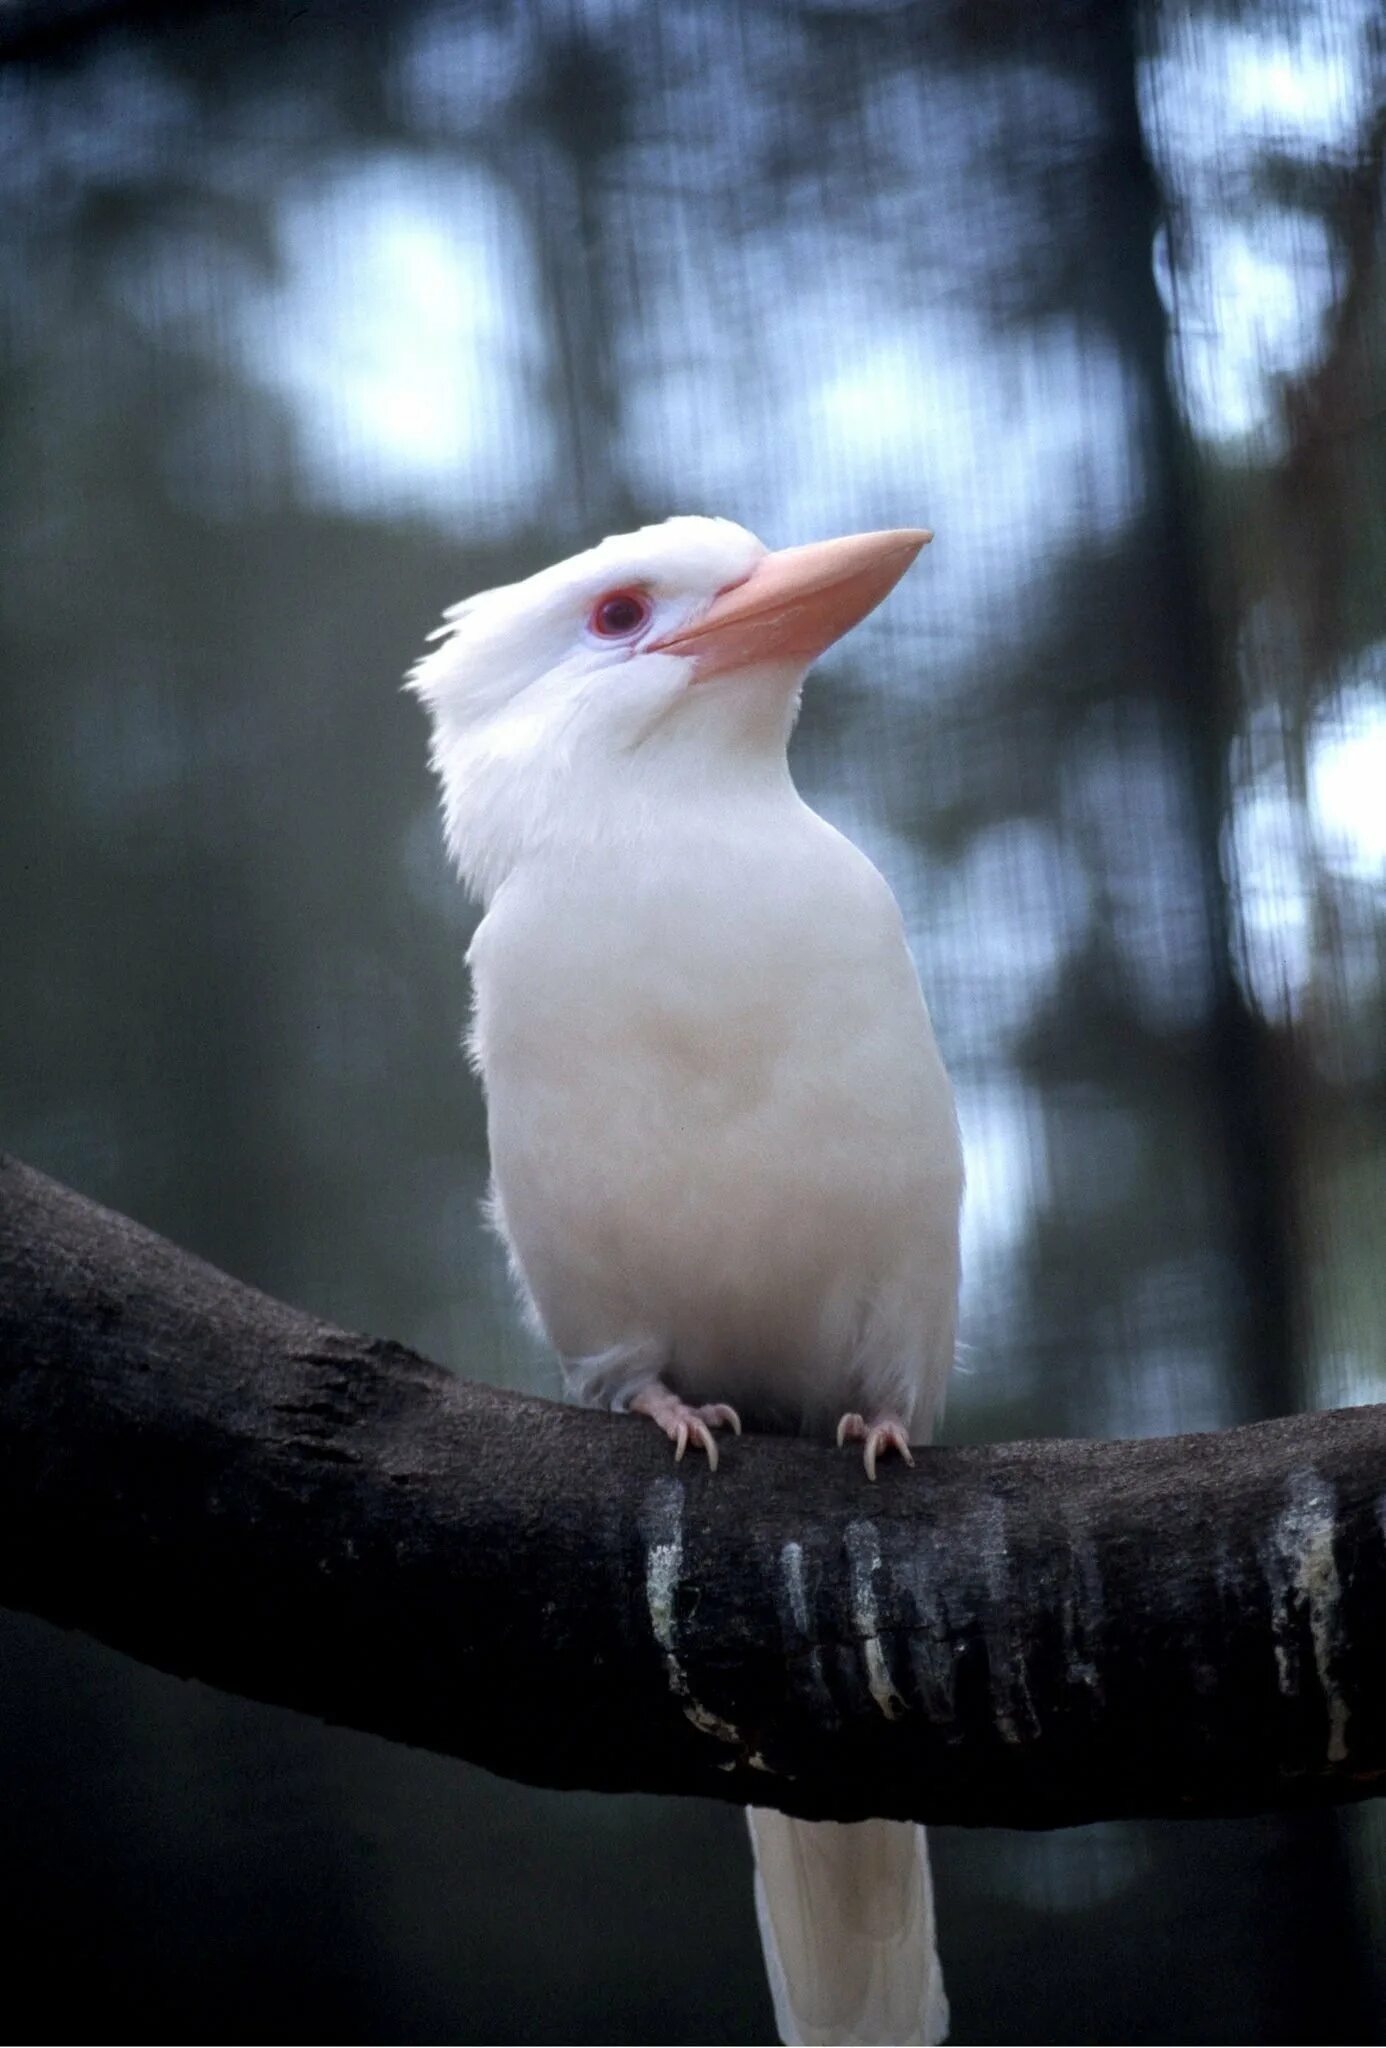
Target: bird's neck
column 503, row 811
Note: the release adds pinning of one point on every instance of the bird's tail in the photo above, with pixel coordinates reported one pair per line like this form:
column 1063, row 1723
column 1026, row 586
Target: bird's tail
column 846, row 1917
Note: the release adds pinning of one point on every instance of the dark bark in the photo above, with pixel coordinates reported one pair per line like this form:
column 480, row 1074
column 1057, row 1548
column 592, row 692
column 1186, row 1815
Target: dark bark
column 1026, row 1634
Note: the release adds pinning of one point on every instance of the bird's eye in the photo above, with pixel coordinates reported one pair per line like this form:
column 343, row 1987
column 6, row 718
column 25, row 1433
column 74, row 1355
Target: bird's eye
column 620, row 613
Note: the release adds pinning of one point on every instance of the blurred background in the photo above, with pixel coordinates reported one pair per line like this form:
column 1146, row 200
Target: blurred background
column 314, row 318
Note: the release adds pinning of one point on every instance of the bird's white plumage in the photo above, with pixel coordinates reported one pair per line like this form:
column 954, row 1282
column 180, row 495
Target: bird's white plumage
column 846, row 1919
column 723, row 1142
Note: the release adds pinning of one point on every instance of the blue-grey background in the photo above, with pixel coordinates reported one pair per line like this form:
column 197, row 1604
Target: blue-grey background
column 314, row 318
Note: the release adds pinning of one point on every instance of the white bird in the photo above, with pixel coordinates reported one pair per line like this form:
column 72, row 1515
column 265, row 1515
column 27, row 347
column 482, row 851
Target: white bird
column 725, row 1156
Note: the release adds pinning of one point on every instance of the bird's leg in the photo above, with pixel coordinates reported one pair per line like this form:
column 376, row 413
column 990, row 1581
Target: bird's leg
column 886, row 1433
column 684, row 1425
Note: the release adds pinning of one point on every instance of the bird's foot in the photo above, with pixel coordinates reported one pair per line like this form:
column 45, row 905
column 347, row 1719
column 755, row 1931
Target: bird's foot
column 887, row 1433
column 684, row 1425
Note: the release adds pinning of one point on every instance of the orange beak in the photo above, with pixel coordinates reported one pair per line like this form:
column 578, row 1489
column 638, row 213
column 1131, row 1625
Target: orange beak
column 795, row 603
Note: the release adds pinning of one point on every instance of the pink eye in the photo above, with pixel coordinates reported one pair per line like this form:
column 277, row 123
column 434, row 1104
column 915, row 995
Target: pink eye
column 620, row 613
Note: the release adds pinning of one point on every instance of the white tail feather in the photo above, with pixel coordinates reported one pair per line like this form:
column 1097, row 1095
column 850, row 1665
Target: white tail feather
column 847, row 1924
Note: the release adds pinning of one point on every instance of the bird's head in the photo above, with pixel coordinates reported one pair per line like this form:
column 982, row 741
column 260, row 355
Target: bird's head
column 653, row 666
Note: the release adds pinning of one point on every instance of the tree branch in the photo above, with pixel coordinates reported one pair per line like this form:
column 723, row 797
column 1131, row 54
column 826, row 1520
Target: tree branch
column 1027, row 1634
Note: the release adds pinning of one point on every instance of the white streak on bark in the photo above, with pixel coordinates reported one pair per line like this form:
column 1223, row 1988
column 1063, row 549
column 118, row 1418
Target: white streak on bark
column 792, row 1559
column 864, row 1555
column 662, row 1521
column 1303, row 1575
column 1011, row 1699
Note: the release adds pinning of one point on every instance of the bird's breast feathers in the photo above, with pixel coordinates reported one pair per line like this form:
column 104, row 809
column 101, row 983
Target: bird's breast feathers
column 717, row 1110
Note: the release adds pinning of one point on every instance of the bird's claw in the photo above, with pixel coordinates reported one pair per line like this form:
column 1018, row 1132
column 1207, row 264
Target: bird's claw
column 701, row 1437
column 684, row 1425
column 887, row 1434
column 718, row 1414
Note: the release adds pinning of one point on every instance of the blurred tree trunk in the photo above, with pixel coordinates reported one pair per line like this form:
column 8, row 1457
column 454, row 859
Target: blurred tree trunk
column 1253, row 1074
column 1260, row 1087
column 577, row 129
